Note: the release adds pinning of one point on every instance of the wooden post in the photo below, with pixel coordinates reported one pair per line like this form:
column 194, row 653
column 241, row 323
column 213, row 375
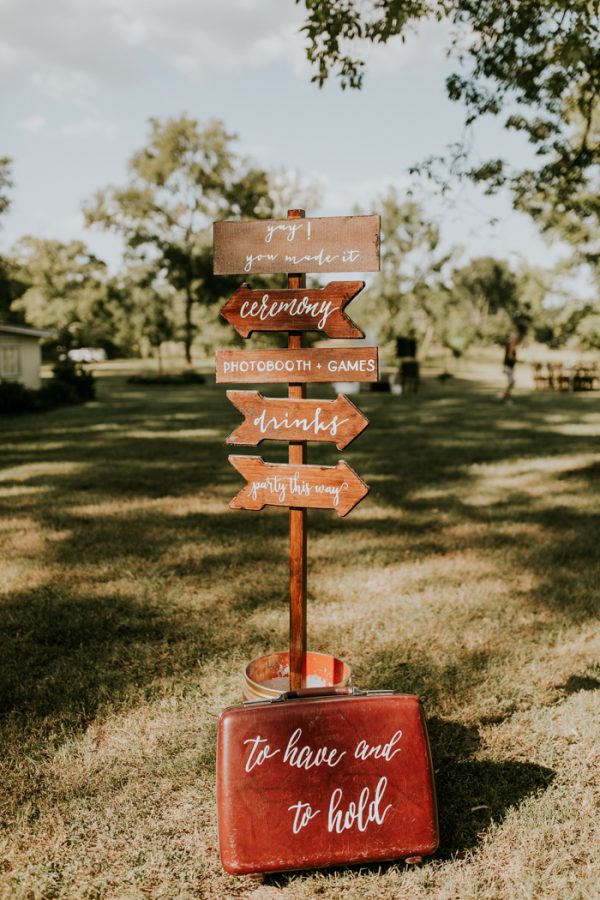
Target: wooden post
column 297, row 456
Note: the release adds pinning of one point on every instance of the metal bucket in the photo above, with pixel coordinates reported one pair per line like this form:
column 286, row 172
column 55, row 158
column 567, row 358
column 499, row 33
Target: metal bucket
column 268, row 676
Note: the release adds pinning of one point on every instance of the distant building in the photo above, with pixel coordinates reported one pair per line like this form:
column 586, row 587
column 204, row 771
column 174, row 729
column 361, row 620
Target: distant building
column 20, row 354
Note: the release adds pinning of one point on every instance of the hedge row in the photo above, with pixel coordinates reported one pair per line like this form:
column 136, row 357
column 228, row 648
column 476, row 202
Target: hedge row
column 70, row 384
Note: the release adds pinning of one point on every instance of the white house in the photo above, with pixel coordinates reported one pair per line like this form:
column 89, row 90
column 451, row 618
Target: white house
column 20, row 354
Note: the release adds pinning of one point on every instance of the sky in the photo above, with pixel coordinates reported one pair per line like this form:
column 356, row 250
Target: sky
column 79, row 80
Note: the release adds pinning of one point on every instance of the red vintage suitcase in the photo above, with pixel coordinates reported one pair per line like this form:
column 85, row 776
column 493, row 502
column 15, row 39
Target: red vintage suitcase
column 323, row 778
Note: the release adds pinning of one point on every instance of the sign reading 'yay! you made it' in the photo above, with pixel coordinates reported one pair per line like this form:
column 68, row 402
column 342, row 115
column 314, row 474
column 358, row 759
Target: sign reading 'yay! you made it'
column 330, row 244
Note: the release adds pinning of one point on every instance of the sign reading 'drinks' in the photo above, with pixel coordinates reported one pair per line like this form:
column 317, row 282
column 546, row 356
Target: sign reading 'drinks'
column 294, row 310
column 297, row 366
column 284, row 419
column 273, row 484
column 332, row 244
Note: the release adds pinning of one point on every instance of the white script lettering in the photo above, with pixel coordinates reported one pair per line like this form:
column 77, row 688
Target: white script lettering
column 258, row 756
column 307, row 758
column 360, row 814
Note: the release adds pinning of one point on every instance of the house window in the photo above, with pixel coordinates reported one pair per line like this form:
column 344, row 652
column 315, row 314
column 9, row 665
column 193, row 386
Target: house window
column 10, row 359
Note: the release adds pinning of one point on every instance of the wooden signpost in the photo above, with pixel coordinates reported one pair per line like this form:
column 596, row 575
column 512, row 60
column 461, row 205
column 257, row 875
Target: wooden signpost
column 296, row 245
column 278, row 419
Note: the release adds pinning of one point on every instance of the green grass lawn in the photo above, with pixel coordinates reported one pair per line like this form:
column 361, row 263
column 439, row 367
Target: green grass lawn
column 131, row 598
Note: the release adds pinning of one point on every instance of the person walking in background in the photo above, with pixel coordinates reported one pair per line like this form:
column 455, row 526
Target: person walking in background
column 510, row 360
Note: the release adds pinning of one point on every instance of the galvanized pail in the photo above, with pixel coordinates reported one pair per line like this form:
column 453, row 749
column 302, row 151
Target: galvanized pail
column 268, row 676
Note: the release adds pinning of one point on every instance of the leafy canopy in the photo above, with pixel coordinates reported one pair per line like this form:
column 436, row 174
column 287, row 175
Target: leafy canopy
column 63, row 288
column 5, row 183
column 535, row 61
column 185, row 177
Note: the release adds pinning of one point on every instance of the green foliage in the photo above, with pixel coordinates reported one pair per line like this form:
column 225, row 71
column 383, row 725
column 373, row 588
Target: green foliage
column 185, row 177
column 488, row 292
column 535, row 61
column 16, row 398
column 65, row 290
column 11, row 288
column 188, row 376
column 576, row 326
column 83, row 383
column 407, row 297
column 6, row 183
column 70, row 384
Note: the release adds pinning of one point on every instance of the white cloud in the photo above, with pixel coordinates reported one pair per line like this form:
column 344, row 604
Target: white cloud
column 65, row 45
column 90, row 127
column 33, row 124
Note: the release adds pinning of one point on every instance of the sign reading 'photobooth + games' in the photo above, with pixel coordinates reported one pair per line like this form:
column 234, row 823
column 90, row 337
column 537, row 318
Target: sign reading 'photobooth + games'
column 351, row 364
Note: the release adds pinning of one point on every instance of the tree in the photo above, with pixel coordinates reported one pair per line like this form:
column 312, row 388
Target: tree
column 535, row 61
column 407, row 297
column 5, row 183
column 185, row 177
column 489, row 290
column 10, row 288
column 144, row 305
column 65, row 290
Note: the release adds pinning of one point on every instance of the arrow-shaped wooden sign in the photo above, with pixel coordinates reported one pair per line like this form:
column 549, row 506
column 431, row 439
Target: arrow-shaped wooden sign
column 282, row 419
column 273, row 484
column 291, row 310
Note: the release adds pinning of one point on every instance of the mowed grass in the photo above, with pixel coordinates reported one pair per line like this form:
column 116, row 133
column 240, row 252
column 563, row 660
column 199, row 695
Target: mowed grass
column 131, row 598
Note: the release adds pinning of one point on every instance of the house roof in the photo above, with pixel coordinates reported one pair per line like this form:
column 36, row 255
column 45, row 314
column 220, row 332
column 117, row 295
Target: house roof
column 25, row 331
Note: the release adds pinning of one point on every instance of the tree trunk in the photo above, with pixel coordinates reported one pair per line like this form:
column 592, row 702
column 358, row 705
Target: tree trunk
column 188, row 334
column 426, row 342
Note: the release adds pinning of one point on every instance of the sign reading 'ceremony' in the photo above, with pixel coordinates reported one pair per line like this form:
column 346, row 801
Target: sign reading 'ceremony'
column 292, row 310
column 332, row 244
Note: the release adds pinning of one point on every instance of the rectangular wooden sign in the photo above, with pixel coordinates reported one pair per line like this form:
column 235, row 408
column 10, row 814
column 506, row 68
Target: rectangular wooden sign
column 324, row 782
column 294, row 310
column 329, row 244
column 297, row 366
column 284, row 419
column 275, row 484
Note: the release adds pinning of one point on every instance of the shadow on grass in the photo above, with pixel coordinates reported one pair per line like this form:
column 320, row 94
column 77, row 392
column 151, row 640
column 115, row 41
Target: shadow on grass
column 474, row 793
column 64, row 657
column 136, row 444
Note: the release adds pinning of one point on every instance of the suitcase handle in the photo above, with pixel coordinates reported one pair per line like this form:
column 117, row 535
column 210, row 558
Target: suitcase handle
column 320, row 692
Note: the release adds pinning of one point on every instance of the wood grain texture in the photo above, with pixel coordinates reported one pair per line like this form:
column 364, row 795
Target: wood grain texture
column 294, row 310
column 329, row 244
column 336, row 421
column 276, row 484
column 297, row 455
column 297, row 366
